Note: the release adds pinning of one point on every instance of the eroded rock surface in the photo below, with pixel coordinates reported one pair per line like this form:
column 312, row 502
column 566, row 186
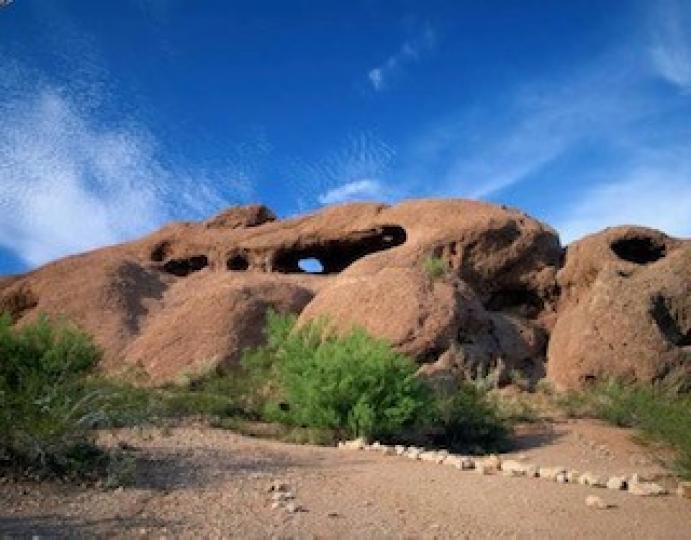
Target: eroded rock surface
column 193, row 296
column 625, row 308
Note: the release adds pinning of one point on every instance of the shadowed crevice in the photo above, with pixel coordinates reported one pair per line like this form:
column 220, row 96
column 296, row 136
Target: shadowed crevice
column 336, row 255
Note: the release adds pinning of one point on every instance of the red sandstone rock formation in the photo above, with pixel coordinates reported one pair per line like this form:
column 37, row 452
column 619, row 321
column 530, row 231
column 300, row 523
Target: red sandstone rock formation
column 625, row 308
column 194, row 295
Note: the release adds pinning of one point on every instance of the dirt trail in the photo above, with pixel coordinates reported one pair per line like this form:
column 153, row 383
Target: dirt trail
column 205, row 483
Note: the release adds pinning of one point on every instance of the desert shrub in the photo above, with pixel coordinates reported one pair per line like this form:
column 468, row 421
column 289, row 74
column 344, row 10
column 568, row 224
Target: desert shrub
column 45, row 413
column 470, row 421
column 125, row 405
column 514, row 408
column 354, row 384
column 435, row 267
column 660, row 413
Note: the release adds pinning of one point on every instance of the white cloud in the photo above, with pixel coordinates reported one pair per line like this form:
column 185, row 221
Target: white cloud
column 380, row 76
column 671, row 48
column 657, row 197
column 357, row 190
column 479, row 153
column 65, row 185
column 69, row 182
column 354, row 171
column 376, row 77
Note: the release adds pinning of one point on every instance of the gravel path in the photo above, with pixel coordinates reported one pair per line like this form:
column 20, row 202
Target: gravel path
column 197, row 482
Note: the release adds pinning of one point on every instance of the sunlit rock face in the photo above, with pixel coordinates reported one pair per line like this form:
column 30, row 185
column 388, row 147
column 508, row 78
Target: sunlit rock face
column 625, row 309
column 468, row 289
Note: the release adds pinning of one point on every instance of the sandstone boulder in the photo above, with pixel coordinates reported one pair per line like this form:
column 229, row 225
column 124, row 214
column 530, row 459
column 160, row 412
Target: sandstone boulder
column 207, row 325
column 241, row 216
column 625, row 309
column 417, row 315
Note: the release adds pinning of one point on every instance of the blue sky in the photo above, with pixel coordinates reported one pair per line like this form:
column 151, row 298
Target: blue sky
column 116, row 117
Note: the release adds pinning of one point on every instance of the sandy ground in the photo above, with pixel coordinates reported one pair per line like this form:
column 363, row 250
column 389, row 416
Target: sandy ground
column 198, row 482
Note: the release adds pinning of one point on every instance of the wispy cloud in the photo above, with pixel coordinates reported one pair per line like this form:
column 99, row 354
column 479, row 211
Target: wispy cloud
column 478, row 153
column 71, row 180
column 671, row 47
column 68, row 184
column 411, row 51
column 595, row 133
column 658, row 197
column 353, row 172
column 357, row 190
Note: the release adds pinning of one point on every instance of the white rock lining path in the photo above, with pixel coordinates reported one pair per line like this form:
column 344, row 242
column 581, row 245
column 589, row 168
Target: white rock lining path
column 512, row 467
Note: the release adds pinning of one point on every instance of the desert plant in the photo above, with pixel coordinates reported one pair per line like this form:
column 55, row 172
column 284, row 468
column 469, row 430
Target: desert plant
column 435, row 267
column 470, row 421
column 357, row 385
column 658, row 412
column 45, row 413
column 351, row 383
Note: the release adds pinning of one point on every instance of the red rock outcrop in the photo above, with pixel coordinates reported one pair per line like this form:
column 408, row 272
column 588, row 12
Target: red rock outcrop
column 625, row 309
column 194, row 295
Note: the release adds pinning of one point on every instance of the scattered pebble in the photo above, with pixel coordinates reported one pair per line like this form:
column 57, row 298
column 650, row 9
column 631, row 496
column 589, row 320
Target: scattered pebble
column 684, row 490
column 616, row 483
column 282, row 496
column 594, row 501
column 431, row 456
column 551, row 473
column 513, row 468
column 480, row 468
column 453, row 461
column 492, row 462
column 279, row 486
column 573, row 476
column 293, row 508
column 355, row 444
column 646, row 489
column 592, row 480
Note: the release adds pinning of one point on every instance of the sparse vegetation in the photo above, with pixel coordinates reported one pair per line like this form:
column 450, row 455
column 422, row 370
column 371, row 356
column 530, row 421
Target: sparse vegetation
column 46, row 415
column 305, row 385
column 470, row 421
column 354, row 384
column 660, row 413
column 435, row 267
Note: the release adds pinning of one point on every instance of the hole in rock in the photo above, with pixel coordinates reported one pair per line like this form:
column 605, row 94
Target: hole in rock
column 238, row 262
column 668, row 323
column 311, row 266
column 511, row 299
column 184, row 267
column 639, row 250
column 160, row 251
column 336, row 255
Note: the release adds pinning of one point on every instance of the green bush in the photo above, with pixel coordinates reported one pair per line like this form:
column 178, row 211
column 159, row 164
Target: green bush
column 435, row 267
column 354, row 384
column 357, row 385
column 45, row 414
column 660, row 413
column 470, row 421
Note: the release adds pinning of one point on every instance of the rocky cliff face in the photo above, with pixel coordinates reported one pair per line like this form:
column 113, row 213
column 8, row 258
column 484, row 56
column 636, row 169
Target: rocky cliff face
column 195, row 295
